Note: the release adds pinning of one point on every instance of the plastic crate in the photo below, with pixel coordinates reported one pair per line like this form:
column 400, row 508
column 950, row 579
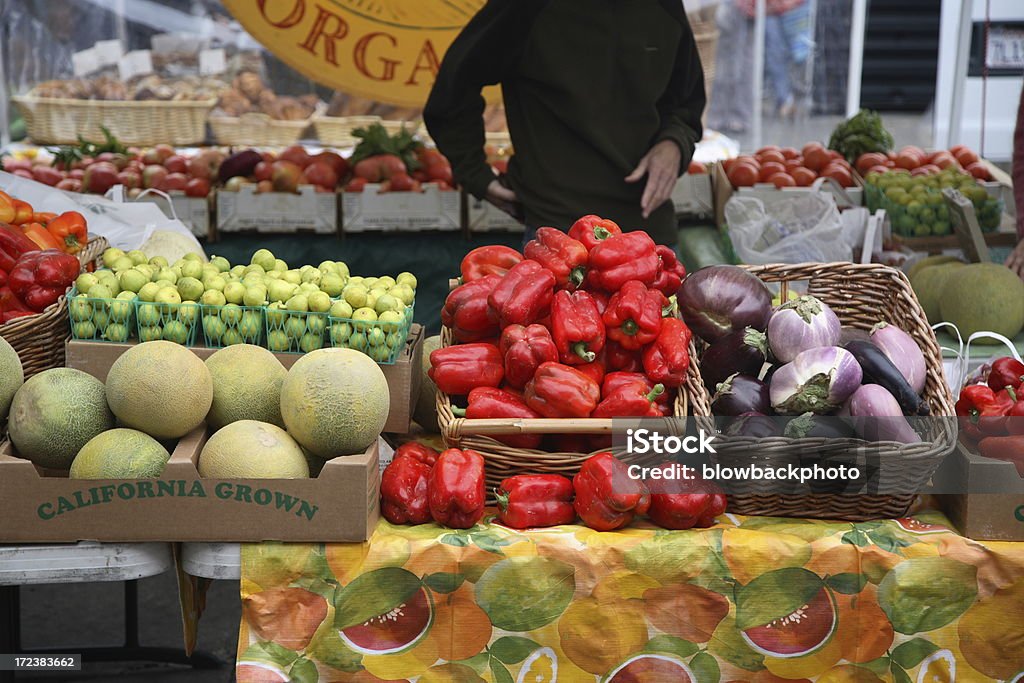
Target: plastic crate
column 928, row 215
column 381, row 341
column 101, row 320
column 232, row 324
column 176, row 323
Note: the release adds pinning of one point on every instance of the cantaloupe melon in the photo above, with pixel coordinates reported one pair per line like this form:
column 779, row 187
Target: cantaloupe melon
column 928, row 283
column 252, row 450
column 246, row 386
column 425, row 413
column 55, row 413
column 983, row 297
column 160, row 388
column 335, row 402
column 11, row 378
column 120, row 454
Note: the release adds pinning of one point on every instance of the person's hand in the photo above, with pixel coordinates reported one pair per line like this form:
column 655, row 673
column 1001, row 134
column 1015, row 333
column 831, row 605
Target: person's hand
column 1015, row 261
column 661, row 166
column 503, row 198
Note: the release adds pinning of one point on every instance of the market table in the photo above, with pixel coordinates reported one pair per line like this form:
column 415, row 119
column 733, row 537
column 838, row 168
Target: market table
column 904, row 600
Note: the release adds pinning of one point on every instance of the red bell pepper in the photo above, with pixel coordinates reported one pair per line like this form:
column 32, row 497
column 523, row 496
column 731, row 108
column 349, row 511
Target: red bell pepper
column 41, row 237
column 561, row 391
column 523, row 296
column 1015, row 416
column 11, row 306
column 13, row 244
column 465, row 311
column 39, row 278
column 487, row 402
column 607, row 498
column 601, row 299
column 455, row 490
column 617, row 358
column 460, row 369
column 631, row 394
column 418, row 451
column 1008, row 448
column 561, row 254
column 982, row 412
column 625, row 257
column 594, row 370
column 1006, row 372
column 684, row 503
column 535, row 500
column 667, row 359
column 403, row 490
column 592, row 230
column 576, row 327
column 494, row 259
column 633, row 316
column 524, row 348
column 670, row 271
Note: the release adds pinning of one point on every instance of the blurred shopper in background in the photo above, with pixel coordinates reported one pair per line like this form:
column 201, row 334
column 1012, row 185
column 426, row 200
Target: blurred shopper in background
column 787, row 46
column 732, row 98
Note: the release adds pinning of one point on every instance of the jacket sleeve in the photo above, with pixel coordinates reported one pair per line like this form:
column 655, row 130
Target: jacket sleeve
column 683, row 103
column 485, row 53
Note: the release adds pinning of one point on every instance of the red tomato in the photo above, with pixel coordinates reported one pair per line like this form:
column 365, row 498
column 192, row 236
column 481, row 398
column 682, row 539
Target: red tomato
column 832, row 154
column 770, row 168
column 979, row 171
column 742, row 175
column 811, row 145
column 793, row 164
column 743, row 159
column 816, row 158
column 197, row 187
column 839, row 174
column 908, row 160
column 966, row 157
column 356, row 185
column 696, row 168
column 956, row 149
column 943, row 160
column 403, row 182
column 781, row 180
column 790, row 152
column 877, row 169
column 321, row 173
column 869, row 159
column 927, row 169
column 803, row 176
column 767, row 148
column 771, row 155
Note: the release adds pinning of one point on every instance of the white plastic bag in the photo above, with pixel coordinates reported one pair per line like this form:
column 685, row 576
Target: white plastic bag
column 126, row 225
column 804, row 228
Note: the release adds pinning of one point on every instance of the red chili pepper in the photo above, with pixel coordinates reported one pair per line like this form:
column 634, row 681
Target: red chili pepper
column 403, row 490
column 535, row 500
column 593, row 370
column 671, row 272
column 523, row 296
column 465, row 311
column 667, row 359
column 561, row 254
column 634, row 314
column 1008, row 448
column 576, row 327
column 684, row 503
column 625, row 257
column 460, row 369
column 617, row 358
column 607, row 498
column 561, row 391
column 418, row 451
column 982, row 412
column 1006, row 372
column 494, row 259
column 631, row 394
column 524, row 348
column 455, row 489
column 39, row 278
column 488, row 402
column 592, row 230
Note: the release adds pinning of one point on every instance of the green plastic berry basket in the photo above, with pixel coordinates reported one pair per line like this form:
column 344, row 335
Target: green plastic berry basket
column 926, row 215
column 294, row 331
column 232, row 324
column 175, row 322
column 381, row 341
column 101, row 320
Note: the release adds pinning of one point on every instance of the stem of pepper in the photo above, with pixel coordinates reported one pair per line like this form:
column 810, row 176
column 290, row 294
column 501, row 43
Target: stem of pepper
column 601, row 233
column 501, row 498
column 657, row 391
column 577, row 276
column 630, row 327
column 458, row 412
column 580, row 349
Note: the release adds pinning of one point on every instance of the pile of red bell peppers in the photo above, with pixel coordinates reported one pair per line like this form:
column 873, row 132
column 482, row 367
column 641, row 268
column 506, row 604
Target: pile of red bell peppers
column 578, row 325
column 421, row 485
column 992, row 412
column 30, row 279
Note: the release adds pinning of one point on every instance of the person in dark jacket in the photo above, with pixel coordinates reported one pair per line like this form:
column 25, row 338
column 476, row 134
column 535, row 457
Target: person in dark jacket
column 603, row 98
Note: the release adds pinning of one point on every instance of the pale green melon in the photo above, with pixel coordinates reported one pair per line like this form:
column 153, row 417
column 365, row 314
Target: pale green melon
column 252, row 450
column 985, row 297
column 120, row 454
column 246, row 386
column 11, row 378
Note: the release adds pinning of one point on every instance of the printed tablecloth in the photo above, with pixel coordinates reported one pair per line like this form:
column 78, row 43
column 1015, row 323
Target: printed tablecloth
column 751, row 599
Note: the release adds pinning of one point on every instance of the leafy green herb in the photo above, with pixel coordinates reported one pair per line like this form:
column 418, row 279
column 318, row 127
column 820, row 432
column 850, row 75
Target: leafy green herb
column 860, row 134
column 374, row 140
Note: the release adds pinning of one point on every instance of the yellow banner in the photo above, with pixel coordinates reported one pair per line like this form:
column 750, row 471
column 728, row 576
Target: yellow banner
column 383, row 50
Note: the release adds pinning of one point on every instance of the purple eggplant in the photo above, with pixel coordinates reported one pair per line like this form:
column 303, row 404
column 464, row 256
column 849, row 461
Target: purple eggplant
column 753, row 424
column 904, row 353
column 717, row 300
column 878, row 369
column 817, row 381
column 740, row 394
column 239, row 164
column 743, row 352
column 877, row 416
column 810, row 425
column 803, row 323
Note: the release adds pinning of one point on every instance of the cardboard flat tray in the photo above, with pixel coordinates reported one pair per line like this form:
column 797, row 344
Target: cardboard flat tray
column 341, row 505
column 997, row 516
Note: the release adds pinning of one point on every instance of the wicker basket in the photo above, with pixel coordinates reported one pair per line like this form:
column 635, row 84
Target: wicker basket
column 59, row 121
column 860, row 295
column 258, row 130
column 505, row 461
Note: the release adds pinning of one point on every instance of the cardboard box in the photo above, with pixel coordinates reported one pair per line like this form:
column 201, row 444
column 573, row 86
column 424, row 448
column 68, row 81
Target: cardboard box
column 995, row 516
column 372, row 210
column 403, row 376
column 767, row 193
column 483, row 216
column 341, row 505
column 194, row 212
column 693, row 195
column 278, row 212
